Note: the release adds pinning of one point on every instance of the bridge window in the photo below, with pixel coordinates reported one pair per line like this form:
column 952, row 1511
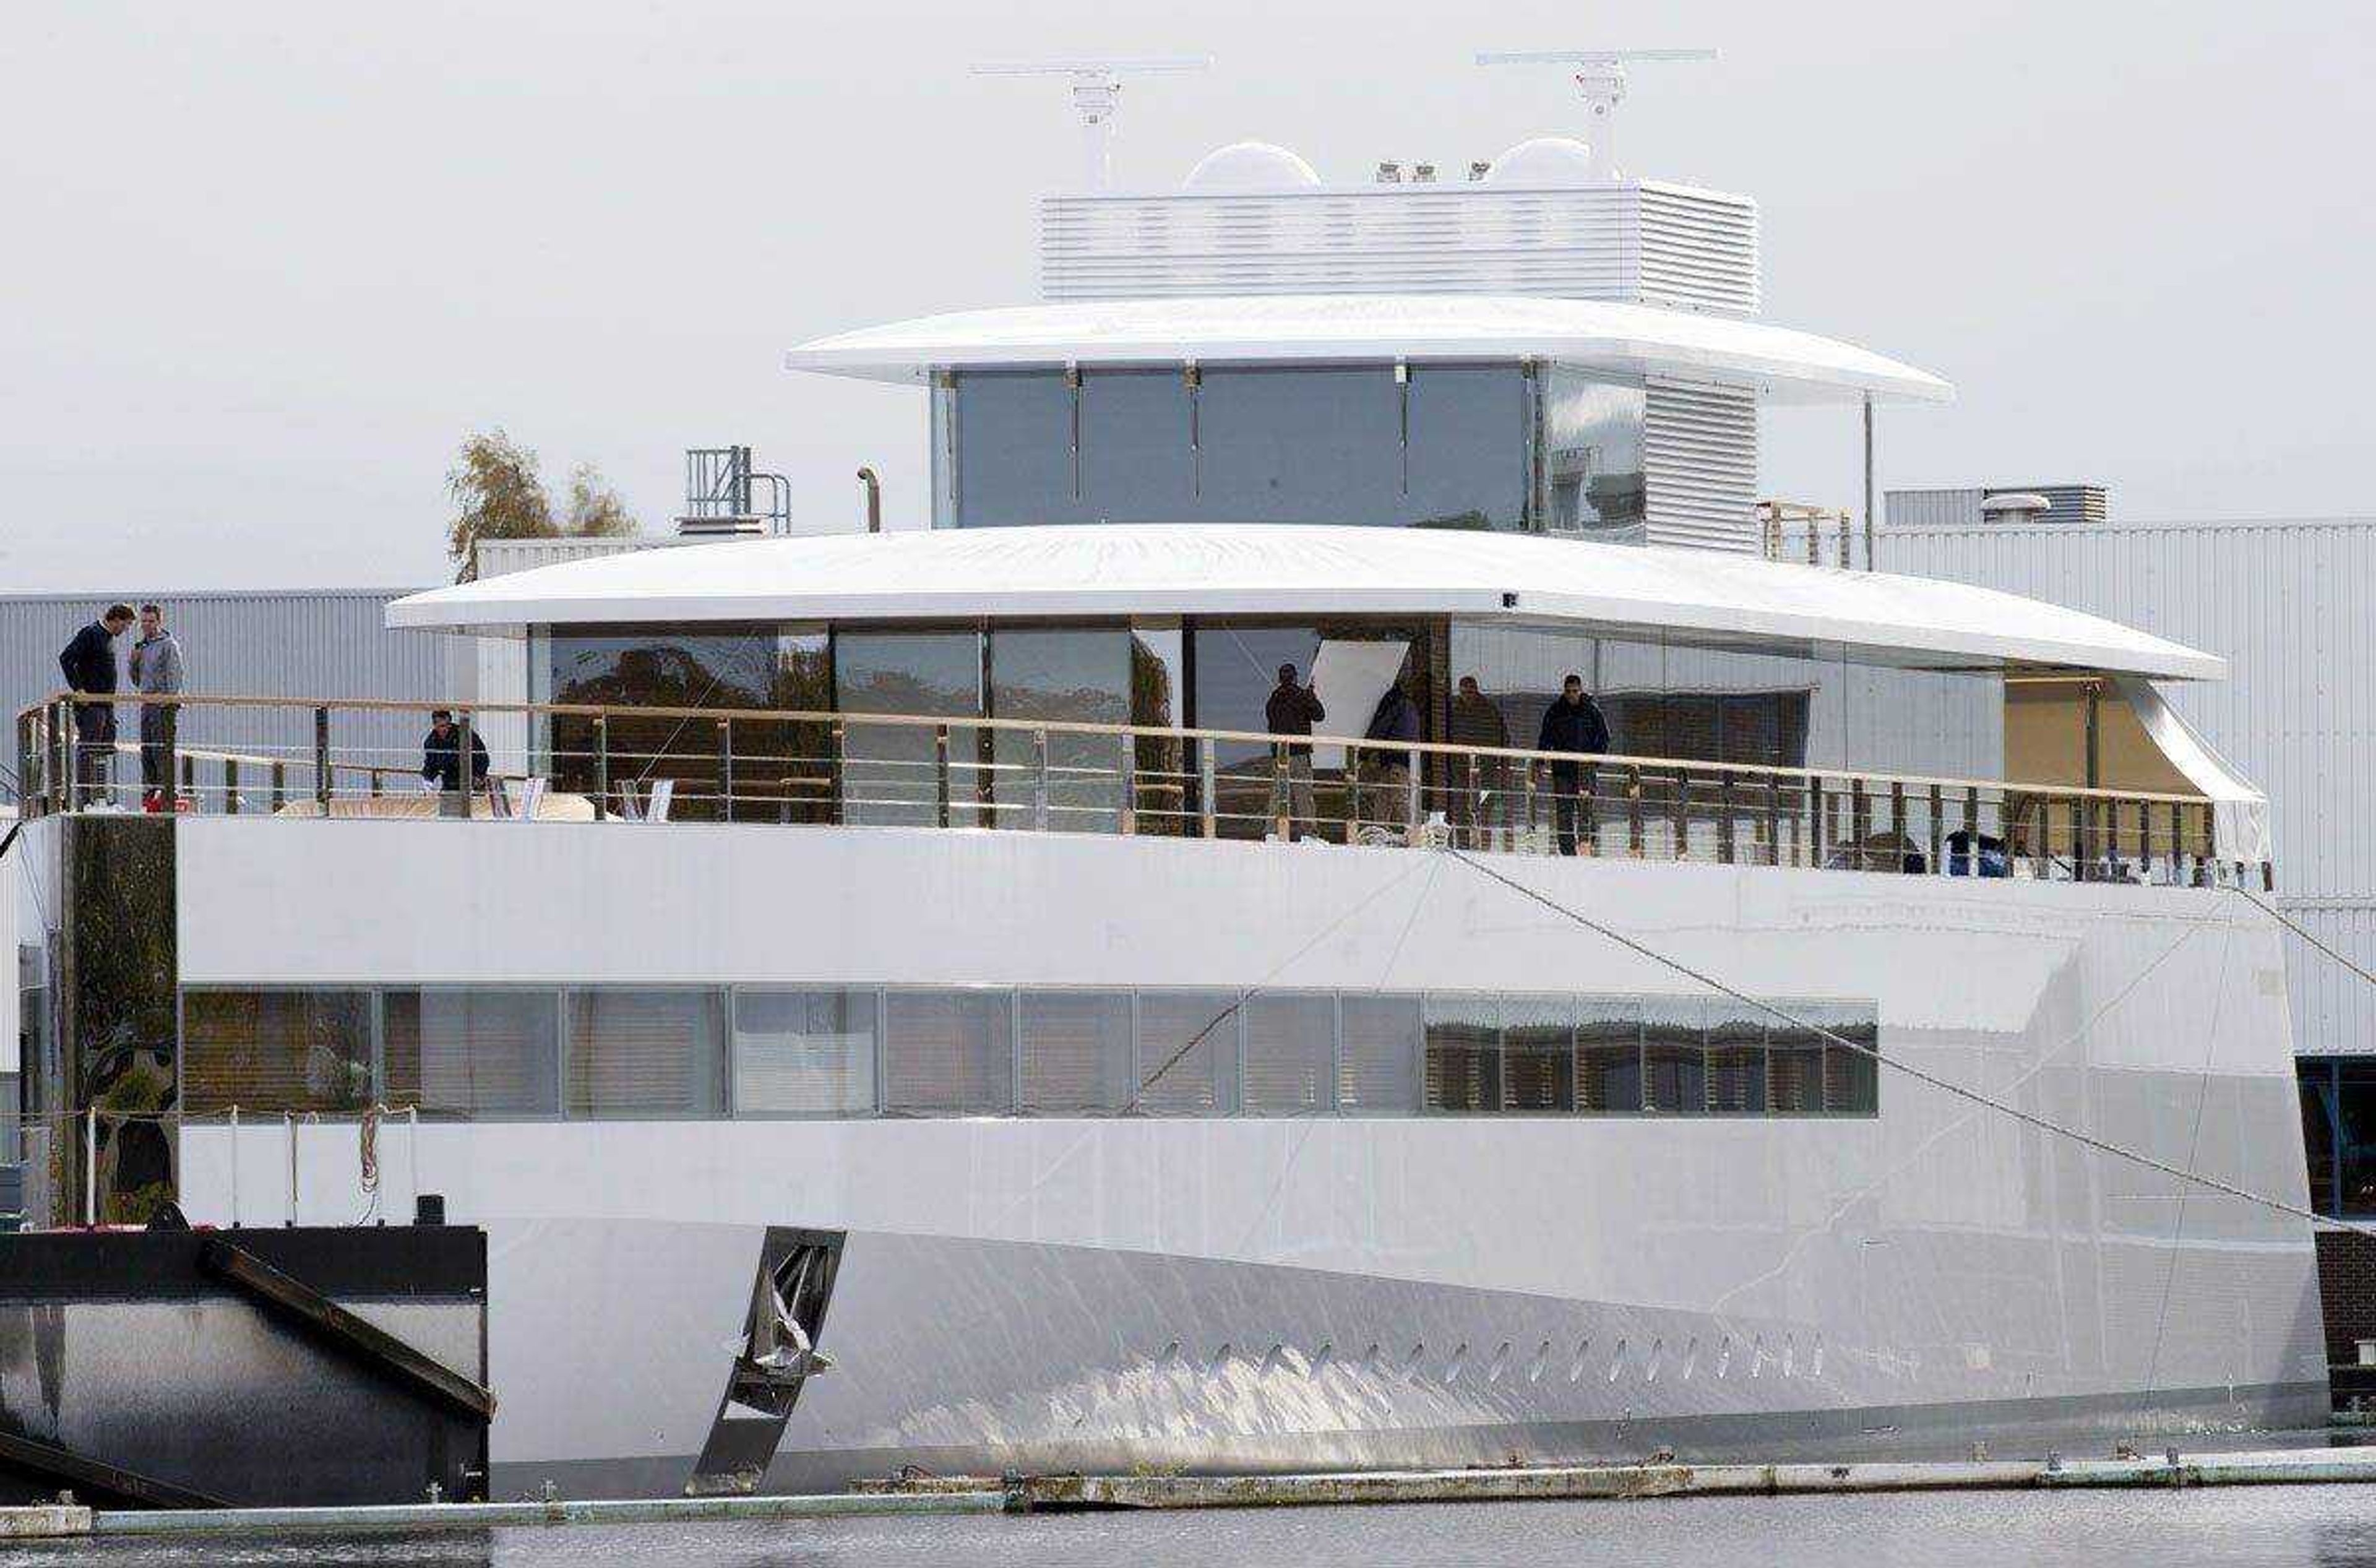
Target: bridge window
column 480, row 1054
column 645, row 1054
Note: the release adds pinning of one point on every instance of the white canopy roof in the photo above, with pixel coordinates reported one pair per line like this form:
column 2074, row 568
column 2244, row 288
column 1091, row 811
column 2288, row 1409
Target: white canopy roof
column 1779, row 363
column 1278, row 569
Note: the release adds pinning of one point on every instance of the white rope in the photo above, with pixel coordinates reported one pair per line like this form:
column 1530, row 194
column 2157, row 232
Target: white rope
column 2089, row 1139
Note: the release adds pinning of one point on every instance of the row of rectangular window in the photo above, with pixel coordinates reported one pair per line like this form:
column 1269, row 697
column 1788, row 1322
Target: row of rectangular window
column 499, row 1053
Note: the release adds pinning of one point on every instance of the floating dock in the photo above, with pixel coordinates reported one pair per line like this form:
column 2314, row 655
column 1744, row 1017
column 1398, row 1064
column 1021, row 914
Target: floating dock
column 1052, row 1494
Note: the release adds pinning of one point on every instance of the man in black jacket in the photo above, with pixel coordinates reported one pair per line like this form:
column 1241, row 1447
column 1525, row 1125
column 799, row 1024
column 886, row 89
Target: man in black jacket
column 1293, row 709
column 89, row 664
column 1574, row 724
column 441, row 755
column 1395, row 719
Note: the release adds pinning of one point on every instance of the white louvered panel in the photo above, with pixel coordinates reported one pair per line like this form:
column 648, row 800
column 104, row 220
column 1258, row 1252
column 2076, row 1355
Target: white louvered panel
column 1645, row 244
column 1700, row 458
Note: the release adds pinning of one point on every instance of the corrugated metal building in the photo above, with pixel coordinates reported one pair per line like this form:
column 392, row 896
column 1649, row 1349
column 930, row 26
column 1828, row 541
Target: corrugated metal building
column 314, row 642
column 2291, row 604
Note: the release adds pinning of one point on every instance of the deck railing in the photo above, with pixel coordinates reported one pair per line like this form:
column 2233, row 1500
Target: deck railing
column 649, row 764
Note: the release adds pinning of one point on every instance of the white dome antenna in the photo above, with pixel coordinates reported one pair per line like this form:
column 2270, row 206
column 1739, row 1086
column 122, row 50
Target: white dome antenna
column 1600, row 77
column 1097, row 92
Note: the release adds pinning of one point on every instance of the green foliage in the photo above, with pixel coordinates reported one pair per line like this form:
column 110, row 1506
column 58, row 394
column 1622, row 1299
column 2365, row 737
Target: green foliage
column 497, row 495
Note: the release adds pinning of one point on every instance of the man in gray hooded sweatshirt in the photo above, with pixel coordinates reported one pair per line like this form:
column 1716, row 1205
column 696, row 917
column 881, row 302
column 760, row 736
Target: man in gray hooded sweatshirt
column 155, row 672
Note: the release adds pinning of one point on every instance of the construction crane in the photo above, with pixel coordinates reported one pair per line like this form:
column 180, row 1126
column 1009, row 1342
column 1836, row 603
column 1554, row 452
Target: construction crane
column 1600, row 78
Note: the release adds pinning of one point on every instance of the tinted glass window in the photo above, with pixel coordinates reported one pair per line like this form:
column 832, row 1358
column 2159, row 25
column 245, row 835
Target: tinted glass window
column 1736, row 1059
column 1467, row 460
column 485, row 1053
column 1609, row 1053
column 804, row 1053
column 1674, row 1055
column 891, row 773
column 1137, row 463
column 1378, row 1073
column 646, row 1053
column 947, row 1053
column 1464, row 1053
column 1538, row 1052
column 276, row 1049
column 1301, row 446
column 1013, row 442
column 1188, row 1052
column 1073, row 677
column 1594, row 475
column 1076, row 1052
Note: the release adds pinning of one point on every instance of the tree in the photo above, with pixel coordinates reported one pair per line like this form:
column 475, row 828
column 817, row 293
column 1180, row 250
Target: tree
column 497, row 495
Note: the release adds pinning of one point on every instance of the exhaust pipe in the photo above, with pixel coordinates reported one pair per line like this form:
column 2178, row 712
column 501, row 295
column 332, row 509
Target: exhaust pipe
column 873, row 500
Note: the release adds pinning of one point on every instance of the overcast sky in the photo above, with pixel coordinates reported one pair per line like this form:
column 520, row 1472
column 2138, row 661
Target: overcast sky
column 265, row 265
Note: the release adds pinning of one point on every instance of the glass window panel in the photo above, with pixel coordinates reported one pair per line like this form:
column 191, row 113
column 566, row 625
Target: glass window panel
column 1378, row 1072
column 1852, row 1077
column 1466, row 462
column 891, row 772
column 1464, row 1053
column 1137, row 465
column 804, row 1053
column 1736, row 1059
column 1290, row 1053
column 273, row 1051
column 1594, row 476
column 1076, row 1052
column 1237, row 670
column 1794, row 1065
column 657, row 667
column 949, row 1053
column 2355, row 1104
column 481, row 1053
column 1538, row 1052
column 1188, row 1052
column 1159, row 700
column 2317, row 1083
column 1674, row 1054
column 1609, row 1053
column 1063, row 676
column 1306, row 446
column 646, row 1053
column 1014, row 440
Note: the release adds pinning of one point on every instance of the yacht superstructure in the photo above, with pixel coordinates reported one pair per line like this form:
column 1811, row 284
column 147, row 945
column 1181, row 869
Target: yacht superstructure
column 1178, row 1084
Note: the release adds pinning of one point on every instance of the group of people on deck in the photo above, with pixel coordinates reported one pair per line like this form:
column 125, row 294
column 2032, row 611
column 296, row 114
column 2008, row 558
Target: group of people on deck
column 1572, row 726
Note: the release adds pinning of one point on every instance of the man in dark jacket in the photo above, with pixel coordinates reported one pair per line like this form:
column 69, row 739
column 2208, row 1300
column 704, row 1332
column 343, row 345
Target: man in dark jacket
column 89, row 664
column 1476, row 721
column 1574, row 724
column 1293, row 709
column 441, row 754
column 1395, row 719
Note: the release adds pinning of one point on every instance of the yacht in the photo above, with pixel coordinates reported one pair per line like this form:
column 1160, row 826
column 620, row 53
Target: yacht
column 1150, row 970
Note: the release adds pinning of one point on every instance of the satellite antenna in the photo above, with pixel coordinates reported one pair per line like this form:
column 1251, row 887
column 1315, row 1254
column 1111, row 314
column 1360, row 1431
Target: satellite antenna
column 1097, row 91
column 1600, row 77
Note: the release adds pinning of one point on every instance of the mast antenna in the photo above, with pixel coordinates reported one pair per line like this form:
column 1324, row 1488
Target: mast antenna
column 1600, row 78
column 1096, row 93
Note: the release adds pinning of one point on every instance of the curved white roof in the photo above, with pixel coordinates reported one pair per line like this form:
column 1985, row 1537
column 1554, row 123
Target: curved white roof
column 1251, row 166
column 1780, row 363
column 1278, row 569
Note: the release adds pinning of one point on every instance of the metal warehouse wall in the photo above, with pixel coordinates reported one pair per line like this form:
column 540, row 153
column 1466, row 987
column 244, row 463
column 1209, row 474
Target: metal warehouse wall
column 2291, row 605
column 331, row 643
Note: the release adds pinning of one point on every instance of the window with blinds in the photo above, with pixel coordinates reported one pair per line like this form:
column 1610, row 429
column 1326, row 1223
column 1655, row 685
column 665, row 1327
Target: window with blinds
column 1188, row 1052
column 483, row 1053
column 1851, row 1076
column 948, row 1053
column 804, row 1053
column 1794, row 1066
column 1539, row 1053
column 1290, row 1053
column 270, row 1050
column 1464, row 1053
column 1736, row 1060
column 1076, row 1052
column 1607, row 1053
column 1674, row 1055
column 645, row 1054
column 1377, row 1064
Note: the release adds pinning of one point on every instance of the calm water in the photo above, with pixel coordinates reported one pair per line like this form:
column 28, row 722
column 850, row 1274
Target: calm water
column 2236, row 1527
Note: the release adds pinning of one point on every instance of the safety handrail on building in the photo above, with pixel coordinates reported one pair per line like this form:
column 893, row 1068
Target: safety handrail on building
column 804, row 765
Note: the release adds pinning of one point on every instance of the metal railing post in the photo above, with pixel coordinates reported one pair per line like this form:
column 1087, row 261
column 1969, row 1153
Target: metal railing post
column 1039, row 780
column 1207, row 809
column 62, row 743
column 1898, row 836
column 91, row 1165
column 1533, row 816
column 726, row 770
column 940, row 773
column 836, row 775
column 465, row 725
column 322, row 758
column 1816, row 813
column 1773, row 819
column 1860, row 808
column 1282, row 802
column 601, row 766
column 289, row 1120
column 1637, row 830
column 2078, row 840
column 1413, row 794
column 1938, row 832
column 235, row 1166
column 1128, row 821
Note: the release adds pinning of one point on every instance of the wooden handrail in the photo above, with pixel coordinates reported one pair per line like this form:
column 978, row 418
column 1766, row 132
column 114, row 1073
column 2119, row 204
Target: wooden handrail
column 1244, row 737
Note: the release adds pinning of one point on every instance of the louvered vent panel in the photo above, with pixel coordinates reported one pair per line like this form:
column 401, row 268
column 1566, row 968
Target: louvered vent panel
column 1653, row 245
column 1700, row 453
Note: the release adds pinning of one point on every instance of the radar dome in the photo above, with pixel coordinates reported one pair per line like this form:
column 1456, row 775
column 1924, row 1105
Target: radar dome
column 1251, row 166
column 1545, row 160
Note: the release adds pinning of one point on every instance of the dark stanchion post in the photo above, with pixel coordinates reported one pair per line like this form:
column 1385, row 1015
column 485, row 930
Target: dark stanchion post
column 601, row 766
column 838, row 747
column 726, row 770
column 230, row 786
column 322, row 758
column 463, row 730
column 1898, row 836
column 1859, row 817
column 279, row 785
column 1773, row 819
column 1129, row 762
column 176, row 767
column 1938, row 831
column 2078, row 839
column 1725, row 842
column 940, row 774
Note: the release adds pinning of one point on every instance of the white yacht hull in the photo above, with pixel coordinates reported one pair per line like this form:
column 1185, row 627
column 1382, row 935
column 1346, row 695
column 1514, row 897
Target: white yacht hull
column 1326, row 1291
